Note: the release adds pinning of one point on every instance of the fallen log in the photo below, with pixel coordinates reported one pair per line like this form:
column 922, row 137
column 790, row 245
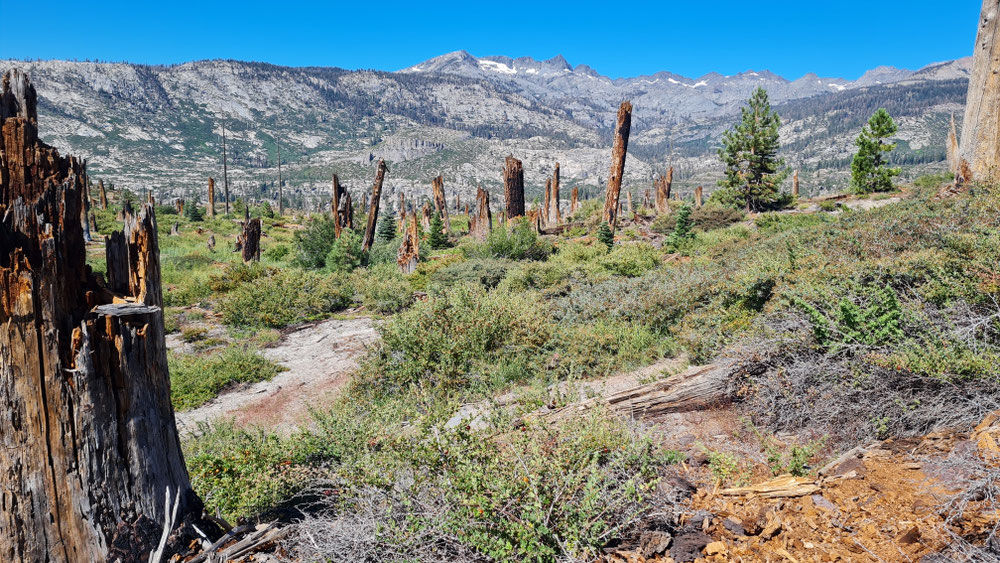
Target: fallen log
column 783, row 486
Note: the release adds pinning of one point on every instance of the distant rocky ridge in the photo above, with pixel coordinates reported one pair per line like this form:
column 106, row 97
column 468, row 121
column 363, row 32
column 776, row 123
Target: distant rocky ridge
column 159, row 127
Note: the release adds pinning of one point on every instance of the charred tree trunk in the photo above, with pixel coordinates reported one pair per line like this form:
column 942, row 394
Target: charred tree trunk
column 211, row 197
column 628, row 203
column 409, row 250
column 401, row 212
column 341, row 208
column 481, row 223
column 90, row 447
column 618, row 151
column 225, row 168
column 425, row 216
column 663, row 191
column 251, row 240
column 574, row 199
column 513, row 187
column 979, row 152
column 373, row 212
column 698, row 193
column 440, row 202
column 795, row 184
column 546, row 209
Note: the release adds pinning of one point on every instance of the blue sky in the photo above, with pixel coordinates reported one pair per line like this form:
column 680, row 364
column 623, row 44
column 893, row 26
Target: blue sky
column 833, row 38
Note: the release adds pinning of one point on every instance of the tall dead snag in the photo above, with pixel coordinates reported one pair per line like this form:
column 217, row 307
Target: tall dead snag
column 698, row 192
column 574, row 199
column 409, row 249
column 618, row 150
column 795, row 184
column 556, row 215
column 91, row 457
column 104, row 194
column 979, row 152
column 373, row 212
column 440, row 202
column 211, row 197
column 179, row 206
column 251, row 240
column 401, row 213
column 647, row 202
column 425, row 216
column 481, row 223
column 663, row 191
column 952, row 149
column 548, row 201
column 513, row 187
column 341, row 208
column 628, row 203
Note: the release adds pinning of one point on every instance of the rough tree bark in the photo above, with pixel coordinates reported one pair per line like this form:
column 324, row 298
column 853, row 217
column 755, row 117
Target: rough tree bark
column 179, row 206
column 698, row 196
column 546, row 209
column 618, row 150
column 211, row 197
column 628, row 203
column 481, row 223
column 557, row 215
column 409, row 249
column 513, row 187
column 440, row 202
column 91, row 451
column 425, row 216
column 373, row 212
column 663, row 191
column 574, row 199
column 979, row 152
column 795, row 184
column 341, row 208
column 401, row 212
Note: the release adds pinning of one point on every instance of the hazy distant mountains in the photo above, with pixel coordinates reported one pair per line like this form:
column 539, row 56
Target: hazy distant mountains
column 160, row 127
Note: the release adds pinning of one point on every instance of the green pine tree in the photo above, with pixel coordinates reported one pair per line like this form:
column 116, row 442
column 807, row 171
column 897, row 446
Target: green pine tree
column 869, row 170
column 605, row 236
column 682, row 228
column 386, row 230
column 754, row 171
column 436, row 238
column 192, row 210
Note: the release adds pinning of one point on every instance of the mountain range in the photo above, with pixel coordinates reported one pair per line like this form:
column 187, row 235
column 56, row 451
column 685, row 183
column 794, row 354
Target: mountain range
column 160, row 127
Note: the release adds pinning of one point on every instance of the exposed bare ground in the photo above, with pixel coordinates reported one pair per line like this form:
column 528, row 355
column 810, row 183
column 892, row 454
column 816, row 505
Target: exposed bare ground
column 320, row 358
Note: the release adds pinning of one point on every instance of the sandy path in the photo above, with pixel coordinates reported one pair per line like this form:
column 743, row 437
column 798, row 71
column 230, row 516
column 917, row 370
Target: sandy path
column 320, row 359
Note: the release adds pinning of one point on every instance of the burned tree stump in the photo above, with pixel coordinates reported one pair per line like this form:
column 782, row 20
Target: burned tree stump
column 481, row 223
column 548, row 200
column 628, row 203
column 618, row 151
column 92, row 462
column 513, row 187
column 795, row 184
column 663, row 191
column 425, row 216
column 373, row 212
column 574, row 199
column 698, row 195
column 211, row 197
column 250, row 241
column 979, row 151
column 409, row 250
column 341, row 208
column 178, row 204
column 440, row 202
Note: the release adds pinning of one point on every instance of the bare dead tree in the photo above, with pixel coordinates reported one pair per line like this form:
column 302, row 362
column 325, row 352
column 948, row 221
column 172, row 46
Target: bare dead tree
column 618, row 151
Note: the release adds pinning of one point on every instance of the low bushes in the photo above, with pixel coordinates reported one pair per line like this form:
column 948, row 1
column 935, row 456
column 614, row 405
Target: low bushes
column 284, row 298
column 194, row 380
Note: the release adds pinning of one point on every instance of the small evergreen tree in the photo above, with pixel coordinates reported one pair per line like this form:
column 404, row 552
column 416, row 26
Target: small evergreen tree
column 386, row 230
column 605, row 236
column 869, row 170
column 682, row 228
column 750, row 153
column 436, row 238
column 192, row 210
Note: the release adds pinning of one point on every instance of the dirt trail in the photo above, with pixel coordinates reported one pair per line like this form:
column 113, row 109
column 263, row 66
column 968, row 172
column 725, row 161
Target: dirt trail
column 320, row 359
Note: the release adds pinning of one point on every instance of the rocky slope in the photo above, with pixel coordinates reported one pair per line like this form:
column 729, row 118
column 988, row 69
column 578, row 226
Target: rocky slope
column 160, row 127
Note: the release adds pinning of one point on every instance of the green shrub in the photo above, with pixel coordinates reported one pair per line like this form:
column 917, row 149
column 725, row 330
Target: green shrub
column 828, row 205
column 631, row 259
column 482, row 271
column 382, row 289
column 933, row 180
column 710, row 217
column 314, row 242
column 682, row 234
column 518, row 241
column 194, row 380
column 605, row 236
column 436, row 238
column 345, row 254
column 284, row 298
column 277, row 252
column 237, row 273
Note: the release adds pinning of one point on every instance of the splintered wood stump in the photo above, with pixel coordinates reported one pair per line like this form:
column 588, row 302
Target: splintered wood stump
column 409, row 249
column 574, row 199
column 178, row 205
column 663, row 191
column 795, row 184
column 628, row 203
column 482, row 222
column 373, row 212
column 211, row 197
column 513, row 187
column 425, row 216
column 618, row 151
column 548, row 201
column 440, row 202
column 251, row 240
column 979, row 151
column 698, row 192
column 401, row 213
column 557, row 215
column 341, row 208
column 91, row 455
column 104, row 194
